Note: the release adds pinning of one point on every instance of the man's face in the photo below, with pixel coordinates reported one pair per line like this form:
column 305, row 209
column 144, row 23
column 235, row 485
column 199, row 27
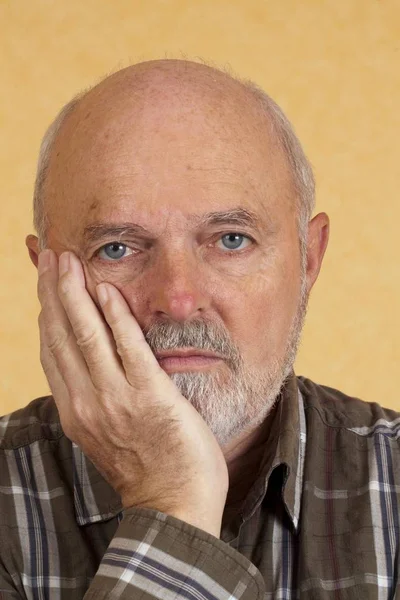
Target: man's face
column 130, row 184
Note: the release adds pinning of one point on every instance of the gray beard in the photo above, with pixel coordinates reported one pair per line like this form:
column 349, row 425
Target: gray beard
column 242, row 400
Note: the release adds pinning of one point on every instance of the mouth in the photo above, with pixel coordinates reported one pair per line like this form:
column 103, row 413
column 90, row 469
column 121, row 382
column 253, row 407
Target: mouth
column 188, row 360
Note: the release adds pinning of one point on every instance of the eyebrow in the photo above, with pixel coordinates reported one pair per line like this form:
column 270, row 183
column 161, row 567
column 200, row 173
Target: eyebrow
column 241, row 217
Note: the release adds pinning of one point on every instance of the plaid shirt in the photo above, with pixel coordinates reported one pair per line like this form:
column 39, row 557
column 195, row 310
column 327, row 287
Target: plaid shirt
column 320, row 522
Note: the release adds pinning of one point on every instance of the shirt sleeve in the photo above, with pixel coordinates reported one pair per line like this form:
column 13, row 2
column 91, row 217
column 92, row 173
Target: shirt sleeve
column 155, row 555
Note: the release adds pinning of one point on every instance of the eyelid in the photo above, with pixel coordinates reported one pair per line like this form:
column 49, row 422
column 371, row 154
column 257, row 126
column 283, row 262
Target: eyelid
column 96, row 253
column 222, row 234
column 127, row 243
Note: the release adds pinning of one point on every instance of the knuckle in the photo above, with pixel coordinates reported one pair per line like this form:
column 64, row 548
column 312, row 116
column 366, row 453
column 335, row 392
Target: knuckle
column 116, row 320
column 68, row 428
column 86, row 339
column 123, row 344
column 82, row 420
column 63, row 285
column 57, row 339
column 81, row 413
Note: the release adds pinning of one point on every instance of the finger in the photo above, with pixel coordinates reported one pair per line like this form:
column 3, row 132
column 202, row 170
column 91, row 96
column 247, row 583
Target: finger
column 137, row 358
column 50, row 368
column 56, row 333
column 76, row 413
column 55, row 380
column 91, row 333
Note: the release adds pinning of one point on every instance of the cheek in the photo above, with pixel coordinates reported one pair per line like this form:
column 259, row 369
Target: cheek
column 96, row 274
column 130, row 287
column 93, row 277
column 263, row 319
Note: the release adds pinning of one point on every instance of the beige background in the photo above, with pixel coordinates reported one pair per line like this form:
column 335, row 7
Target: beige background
column 333, row 65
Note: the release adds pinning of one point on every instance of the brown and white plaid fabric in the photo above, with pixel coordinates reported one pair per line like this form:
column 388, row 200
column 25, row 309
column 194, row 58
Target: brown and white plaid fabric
column 320, row 522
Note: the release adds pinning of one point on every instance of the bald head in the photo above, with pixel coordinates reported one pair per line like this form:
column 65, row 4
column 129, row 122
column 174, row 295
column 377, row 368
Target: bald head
column 174, row 100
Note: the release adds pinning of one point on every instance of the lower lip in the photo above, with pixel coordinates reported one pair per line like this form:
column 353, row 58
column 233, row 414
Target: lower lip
column 192, row 363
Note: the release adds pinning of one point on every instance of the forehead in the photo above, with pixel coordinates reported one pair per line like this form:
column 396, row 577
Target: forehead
column 159, row 153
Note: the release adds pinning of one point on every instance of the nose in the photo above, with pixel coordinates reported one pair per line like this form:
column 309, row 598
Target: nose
column 176, row 288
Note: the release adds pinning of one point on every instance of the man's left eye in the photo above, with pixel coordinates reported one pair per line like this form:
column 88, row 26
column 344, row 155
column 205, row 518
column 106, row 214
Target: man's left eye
column 233, row 241
column 114, row 251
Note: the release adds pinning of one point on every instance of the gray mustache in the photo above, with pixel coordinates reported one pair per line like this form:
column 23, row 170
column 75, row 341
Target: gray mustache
column 196, row 334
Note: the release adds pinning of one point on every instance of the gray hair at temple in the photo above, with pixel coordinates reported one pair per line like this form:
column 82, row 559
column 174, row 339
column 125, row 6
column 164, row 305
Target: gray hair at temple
column 301, row 169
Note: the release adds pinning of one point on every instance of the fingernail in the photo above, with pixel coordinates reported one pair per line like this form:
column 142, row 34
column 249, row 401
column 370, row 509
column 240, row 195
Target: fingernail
column 43, row 261
column 63, row 263
column 102, row 294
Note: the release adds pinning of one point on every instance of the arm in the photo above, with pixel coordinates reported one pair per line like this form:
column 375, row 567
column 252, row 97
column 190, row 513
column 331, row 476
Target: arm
column 154, row 555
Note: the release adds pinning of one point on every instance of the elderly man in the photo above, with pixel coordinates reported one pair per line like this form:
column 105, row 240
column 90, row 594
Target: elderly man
column 179, row 456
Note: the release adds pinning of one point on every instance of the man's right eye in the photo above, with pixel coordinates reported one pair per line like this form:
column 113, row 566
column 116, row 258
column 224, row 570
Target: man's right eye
column 114, row 251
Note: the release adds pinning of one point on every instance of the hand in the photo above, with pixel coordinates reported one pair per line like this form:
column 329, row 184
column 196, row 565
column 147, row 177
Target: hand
column 118, row 405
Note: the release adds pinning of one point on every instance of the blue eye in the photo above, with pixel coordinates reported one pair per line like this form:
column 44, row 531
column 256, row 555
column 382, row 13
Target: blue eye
column 233, row 240
column 113, row 251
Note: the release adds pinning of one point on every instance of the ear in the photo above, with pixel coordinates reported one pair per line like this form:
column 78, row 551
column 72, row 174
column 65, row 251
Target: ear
column 32, row 243
column 318, row 236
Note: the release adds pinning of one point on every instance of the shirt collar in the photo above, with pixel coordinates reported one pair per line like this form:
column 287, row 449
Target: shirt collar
column 95, row 500
column 285, row 447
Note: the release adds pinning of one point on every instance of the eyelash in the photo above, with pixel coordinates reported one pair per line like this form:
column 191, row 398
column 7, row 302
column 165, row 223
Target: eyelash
column 227, row 252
